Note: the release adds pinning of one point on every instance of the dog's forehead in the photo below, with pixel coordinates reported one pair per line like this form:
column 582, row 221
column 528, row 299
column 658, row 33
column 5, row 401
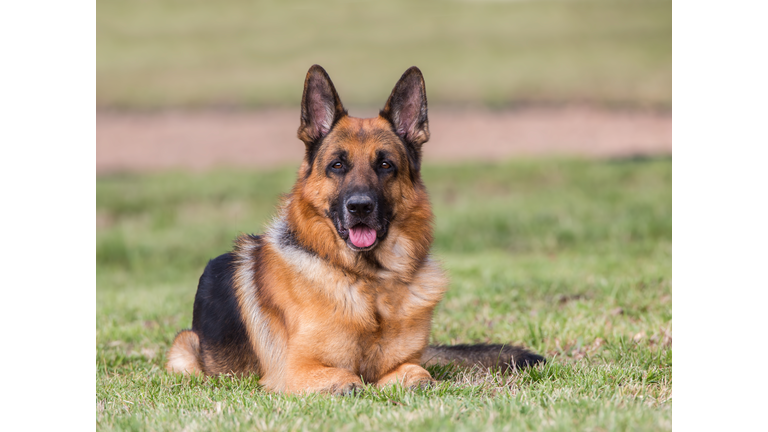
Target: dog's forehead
column 363, row 138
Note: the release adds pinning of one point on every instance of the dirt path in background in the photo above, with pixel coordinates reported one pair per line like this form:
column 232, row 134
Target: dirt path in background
column 206, row 139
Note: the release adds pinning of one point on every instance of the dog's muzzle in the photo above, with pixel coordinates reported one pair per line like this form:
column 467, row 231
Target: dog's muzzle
column 360, row 212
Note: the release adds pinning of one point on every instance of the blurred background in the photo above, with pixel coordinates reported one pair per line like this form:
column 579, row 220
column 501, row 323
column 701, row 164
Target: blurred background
column 239, row 53
column 200, row 84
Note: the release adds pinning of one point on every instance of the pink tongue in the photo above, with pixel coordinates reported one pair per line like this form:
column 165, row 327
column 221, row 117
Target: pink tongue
column 362, row 236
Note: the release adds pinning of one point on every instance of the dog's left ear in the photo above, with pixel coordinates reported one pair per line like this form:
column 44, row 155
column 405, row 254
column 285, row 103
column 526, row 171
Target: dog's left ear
column 406, row 109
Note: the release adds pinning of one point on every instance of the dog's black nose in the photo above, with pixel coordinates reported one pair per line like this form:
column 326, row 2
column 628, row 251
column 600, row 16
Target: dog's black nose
column 360, row 205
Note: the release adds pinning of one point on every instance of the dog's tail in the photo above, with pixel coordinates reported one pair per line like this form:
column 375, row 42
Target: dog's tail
column 184, row 355
column 490, row 356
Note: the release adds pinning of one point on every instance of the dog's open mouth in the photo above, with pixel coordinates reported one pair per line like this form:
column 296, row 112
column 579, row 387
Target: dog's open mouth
column 362, row 236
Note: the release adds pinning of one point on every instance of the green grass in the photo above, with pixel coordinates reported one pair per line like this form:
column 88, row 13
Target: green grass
column 170, row 53
column 571, row 258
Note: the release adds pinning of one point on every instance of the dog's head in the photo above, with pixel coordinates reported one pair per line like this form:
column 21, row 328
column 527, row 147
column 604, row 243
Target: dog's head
column 362, row 174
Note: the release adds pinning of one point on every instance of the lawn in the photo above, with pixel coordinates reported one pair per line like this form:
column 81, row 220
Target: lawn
column 571, row 258
column 242, row 53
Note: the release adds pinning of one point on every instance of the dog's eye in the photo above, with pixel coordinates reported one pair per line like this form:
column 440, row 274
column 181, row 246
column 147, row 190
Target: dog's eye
column 337, row 167
column 385, row 165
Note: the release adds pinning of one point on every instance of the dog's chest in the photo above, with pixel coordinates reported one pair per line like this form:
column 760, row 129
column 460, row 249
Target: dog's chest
column 365, row 324
column 375, row 306
column 389, row 336
column 387, row 304
column 391, row 302
column 400, row 322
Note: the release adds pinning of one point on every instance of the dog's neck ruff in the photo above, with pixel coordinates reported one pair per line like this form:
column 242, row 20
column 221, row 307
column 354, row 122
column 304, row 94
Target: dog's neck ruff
column 296, row 253
column 390, row 259
column 283, row 238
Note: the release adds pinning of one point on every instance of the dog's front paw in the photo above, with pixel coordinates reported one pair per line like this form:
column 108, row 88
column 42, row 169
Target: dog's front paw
column 422, row 383
column 353, row 388
column 409, row 375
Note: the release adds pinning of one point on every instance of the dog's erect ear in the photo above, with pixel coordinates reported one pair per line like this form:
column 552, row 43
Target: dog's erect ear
column 320, row 107
column 406, row 109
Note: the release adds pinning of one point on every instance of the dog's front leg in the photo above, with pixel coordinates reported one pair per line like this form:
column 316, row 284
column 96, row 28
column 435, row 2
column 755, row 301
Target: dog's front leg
column 409, row 374
column 310, row 377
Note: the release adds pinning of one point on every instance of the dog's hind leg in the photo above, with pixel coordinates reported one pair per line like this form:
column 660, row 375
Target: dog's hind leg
column 184, row 355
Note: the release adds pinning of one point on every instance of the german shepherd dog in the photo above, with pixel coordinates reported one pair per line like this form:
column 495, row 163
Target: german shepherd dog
column 341, row 288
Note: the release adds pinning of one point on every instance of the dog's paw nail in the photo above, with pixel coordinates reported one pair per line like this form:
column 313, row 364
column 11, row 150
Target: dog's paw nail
column 349, row 389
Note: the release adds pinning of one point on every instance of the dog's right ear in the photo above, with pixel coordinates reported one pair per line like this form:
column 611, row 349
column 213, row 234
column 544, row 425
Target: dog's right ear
column 320, row 108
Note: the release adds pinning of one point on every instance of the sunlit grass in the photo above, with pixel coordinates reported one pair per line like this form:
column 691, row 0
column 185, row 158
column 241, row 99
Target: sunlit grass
column 571, row 258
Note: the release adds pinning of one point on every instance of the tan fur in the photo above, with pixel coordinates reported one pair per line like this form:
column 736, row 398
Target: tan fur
column 320, row 316
column 366, row 321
